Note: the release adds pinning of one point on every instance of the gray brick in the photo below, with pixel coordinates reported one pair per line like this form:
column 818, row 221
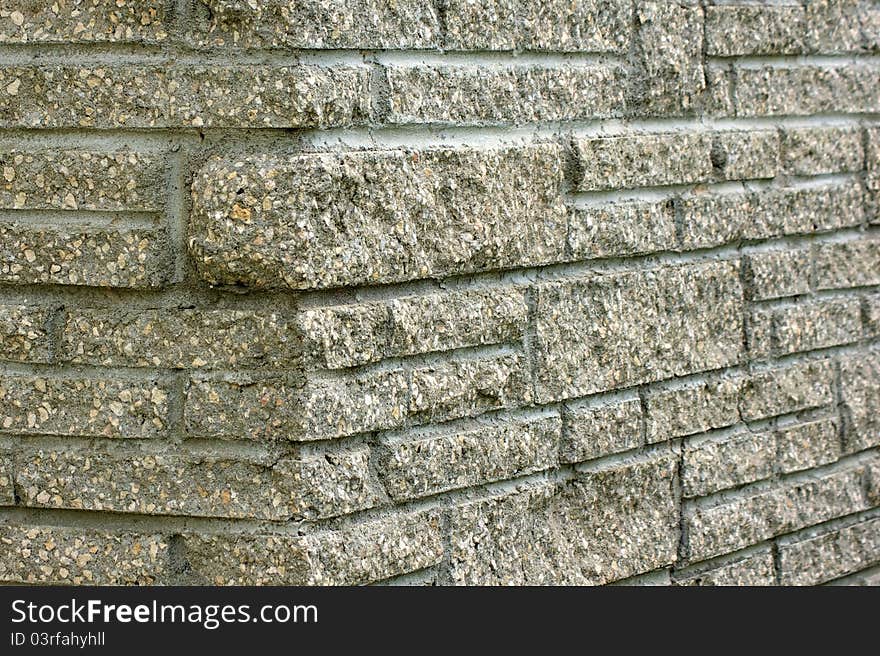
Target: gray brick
column 830, row 555
column 848, row 264
column 602, row 526
column 593, row 431
column 620, row 229
column 7, row 491
column 778, row 273
column 871, row 314
column 815, row 151
column 809, row 445
column 718, row 96
column 872, row 179
column 814, row 325
column 787, row 389
column 835, row 26
column 710, row 465
column 752, row 571
column 495, row 451
column 24, row 333
column 735, row 30
column 861, row 400
column 419, row 215
column 638, row 330
column 746, row 155
column 85, row 21
column 693, row 408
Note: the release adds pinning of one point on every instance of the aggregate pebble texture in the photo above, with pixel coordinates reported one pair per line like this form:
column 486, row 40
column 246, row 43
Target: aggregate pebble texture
column 531, row 292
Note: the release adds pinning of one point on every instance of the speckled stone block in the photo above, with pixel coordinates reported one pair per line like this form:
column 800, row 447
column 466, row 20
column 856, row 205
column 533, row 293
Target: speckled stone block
column 7, row 491
column 808, row 445
column 816, row 559
column 368, row 552
column 713, row 464
column 85, row 21
column 596, row 430
column 853, row 263
column 57, row 555
column 204, row 486
column 835, row 26
column 587, row 25
column 745, row 155
column 777, row 273
column 25, row 334
column 787, row 389
column 691, row 408
column 455, row 95
column 860, row 394
column 430, row 464
column 82, row 180
column 816, row 151
column 601, row 526
column 395, row 216
column 812, row 325
column 620, row 229
column 179, row 338
column 756, row 570
column 737, row 30
column 872, row 163
column 622, row 329
column 871, row 314
column 148, row 96
column 95, row 257
column 359, row 24
column 772, row 509
column 99, row 406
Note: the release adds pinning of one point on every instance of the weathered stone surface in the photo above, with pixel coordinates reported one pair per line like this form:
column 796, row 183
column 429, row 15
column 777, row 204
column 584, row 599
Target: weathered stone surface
column 787, row 389
column 620, row 229
column 587, row 25
column 55, row 555
column 718, row 96
column 143, row 96
column 362, row 554
column 179, row 338
column 815, row 151
column 829, row 555
column 759, row 334
column 624, row 329
column 85, row 21
column 871, row 314
column 736, row 30
column 97, row 257
column 835, row 26
column 806, row 89
column 7, row 491
column 208, row 486
column 752, row 571
column 848, row 264
column 745, row 155
column 469, row 387
column 592, row 431
column 236, row 406
column 772, row 510
column 812, row 325
column 777, row 273
column 375, row 217
column 24, row 333
column 872, row 177
column 81, row 180
column 495, row 451
column 333, row 24
column 860, row 395
column 692, row 408
column 711, row 219
column 602, row 526
column 713, row 464
column 807, row 445
column 352, row 335
column 453, row 95
column 84, row 406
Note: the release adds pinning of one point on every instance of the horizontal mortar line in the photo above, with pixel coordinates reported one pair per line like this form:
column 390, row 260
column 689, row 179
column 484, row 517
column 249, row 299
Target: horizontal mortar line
column 653, row 577
column 417, row 577
column 853, row 59
column 840, row 350
column 51, row 57
column 748, row 490
column 830, row 526
column 141, row 140
column 815, row 297
column 98, row 219
column 803, row 241
column 500, row 61
column 697, row 568
column 854, row 578
column 770, row 424
column 66, row 369
column 638, row 455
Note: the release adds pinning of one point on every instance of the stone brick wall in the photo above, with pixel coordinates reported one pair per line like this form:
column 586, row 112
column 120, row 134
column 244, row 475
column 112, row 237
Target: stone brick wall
column 456, row 292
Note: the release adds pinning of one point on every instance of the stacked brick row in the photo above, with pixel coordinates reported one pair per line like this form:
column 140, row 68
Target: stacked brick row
column 468, row 293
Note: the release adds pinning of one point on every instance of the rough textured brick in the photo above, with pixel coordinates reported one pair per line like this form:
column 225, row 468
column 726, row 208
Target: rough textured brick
column 787, row 389
column 587, row 25
column 829, row 555
column 872, row 178
column 734, row 30
column 491, row 452
column 642, row 326
column 208, row 486
column 778, row 273
column 100, row 406
column 396, row 216
column 741, row 155
column 365, row 553
column 85, row 21
column 620, row 229
column 772, row 510
column 710, row 465
column 592, row 431
column 182, row 96
column 602, row 526
column 55, row 555
column 848, row 264
column 81, row 180
column 814, row 151
column 520, row 94
column 692, row 408
column 24, row 333
column 317, row 24
column 97, row 257
column 860, row 395
column 179, row 338
column 834, row 26
column 812, row 325
column 807, row 445
column 352, row 335
column 752, row 570
column 871, row 314
column 718, row 96
column 7, row 491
